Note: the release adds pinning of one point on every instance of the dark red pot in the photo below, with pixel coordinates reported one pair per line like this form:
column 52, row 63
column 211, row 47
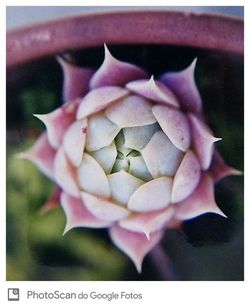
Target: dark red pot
column 212, row 32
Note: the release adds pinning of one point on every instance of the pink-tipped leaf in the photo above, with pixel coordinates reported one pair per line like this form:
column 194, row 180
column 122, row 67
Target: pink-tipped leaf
column 154, row 90
column 184, row 86
column 52, row 202
column 148, row 222
column 77, row 215
column 201, row 201
column 41, row 154
column 203, row 141
column 219, row 169
column 115, row 72
column 76, row 79
column 135, row 245
column 58, row 121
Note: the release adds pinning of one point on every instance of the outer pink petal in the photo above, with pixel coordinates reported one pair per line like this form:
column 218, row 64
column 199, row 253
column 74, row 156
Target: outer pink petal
column 42, row 155
column 135, row 245
column 200, row 202
column 53, row 201
column 219, row 169
column 154, row 90
column 76, row 80
column 183, row 85
column 174, row 124
column 186, row 178
column 148, row 222
column 114, row 72
column 98, row 99
column 58, row 121
column 64, row 174
column 77, row 214
column 203, row 141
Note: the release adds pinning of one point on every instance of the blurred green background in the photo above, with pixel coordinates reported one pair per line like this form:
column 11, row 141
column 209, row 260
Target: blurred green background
column 207, row 248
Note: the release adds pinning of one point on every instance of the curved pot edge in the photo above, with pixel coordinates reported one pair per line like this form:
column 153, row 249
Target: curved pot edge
column 214, row 32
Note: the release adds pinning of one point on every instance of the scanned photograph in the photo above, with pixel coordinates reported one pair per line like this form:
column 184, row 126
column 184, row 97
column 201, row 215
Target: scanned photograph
column 125, row 143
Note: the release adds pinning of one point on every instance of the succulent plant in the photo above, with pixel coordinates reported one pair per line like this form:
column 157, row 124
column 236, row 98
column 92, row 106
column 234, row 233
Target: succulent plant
column 130, row 153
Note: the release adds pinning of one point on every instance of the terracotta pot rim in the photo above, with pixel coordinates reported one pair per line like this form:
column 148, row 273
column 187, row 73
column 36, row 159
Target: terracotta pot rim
column 190, row 29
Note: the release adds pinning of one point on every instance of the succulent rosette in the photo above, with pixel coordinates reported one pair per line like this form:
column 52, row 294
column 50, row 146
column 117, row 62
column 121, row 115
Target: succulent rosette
column 130, row 153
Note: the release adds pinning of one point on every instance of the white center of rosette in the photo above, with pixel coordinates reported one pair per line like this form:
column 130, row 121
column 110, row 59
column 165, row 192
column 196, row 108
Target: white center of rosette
column 144, row 152
column 126, row 148
column 118, row 156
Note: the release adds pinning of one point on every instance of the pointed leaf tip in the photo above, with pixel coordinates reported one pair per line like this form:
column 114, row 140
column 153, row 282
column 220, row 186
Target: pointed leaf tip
column 148, row 223
column 201, row 201
column 76, row 79
column 58, row 121
column 107, row 53
column 183, row 84
column 52, row 202
column 77, row 215
column 219, row 169
column 135, row 245
column 203, row 141
column 153, row 90
column 192, row 66
column 41, row 154
column 115, row 72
